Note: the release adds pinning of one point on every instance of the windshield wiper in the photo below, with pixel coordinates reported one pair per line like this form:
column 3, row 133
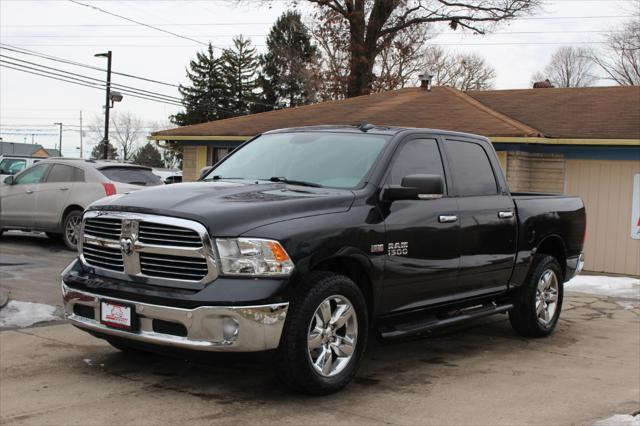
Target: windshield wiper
column 294, row 182
column 218, row 177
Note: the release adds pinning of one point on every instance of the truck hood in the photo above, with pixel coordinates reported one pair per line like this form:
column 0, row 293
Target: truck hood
column 231, row 208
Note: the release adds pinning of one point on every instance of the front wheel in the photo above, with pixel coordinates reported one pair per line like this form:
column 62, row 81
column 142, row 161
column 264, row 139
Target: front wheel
column 538, row 302
column 324, row 336
column 71, row 227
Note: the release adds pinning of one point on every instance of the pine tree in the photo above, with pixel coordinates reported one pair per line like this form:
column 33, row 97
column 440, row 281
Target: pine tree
column 97, row 153
column 240, row 68
column 290, row 67
column 148, row 156
column 207, row 97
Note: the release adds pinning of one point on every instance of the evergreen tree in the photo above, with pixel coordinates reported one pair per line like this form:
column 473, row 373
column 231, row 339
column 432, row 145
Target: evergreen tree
column 148, row 156
column 290, row 67
column 207, row 97
column 97, row 153
column 240, row 68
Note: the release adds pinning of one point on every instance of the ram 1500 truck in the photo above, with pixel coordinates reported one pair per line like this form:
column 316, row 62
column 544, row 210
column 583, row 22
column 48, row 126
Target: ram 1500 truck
column 307, row 241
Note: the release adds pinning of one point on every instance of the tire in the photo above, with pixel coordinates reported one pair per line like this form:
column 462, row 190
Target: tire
column 70, row 225
column 537, row 304
column 295, row 361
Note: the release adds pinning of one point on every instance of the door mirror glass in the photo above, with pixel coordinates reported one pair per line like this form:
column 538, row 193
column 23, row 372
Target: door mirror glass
column 9, row 180
column 416, row 187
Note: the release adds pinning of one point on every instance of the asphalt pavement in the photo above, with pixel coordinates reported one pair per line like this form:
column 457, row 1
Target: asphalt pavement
column 588, row 370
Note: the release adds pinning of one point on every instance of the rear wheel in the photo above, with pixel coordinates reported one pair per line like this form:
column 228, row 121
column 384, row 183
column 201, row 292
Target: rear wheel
column 70, row 228
column 538, row 303
column 324, row 336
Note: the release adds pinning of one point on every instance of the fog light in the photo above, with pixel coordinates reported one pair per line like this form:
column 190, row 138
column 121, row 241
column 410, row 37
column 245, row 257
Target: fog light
column 230, row 329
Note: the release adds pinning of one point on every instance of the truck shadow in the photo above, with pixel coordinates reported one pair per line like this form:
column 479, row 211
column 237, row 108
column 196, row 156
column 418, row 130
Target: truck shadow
column 249, row 378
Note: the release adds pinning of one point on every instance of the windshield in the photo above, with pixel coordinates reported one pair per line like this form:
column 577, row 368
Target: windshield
column 339, row 160
column 131, row 175
column 11, row 166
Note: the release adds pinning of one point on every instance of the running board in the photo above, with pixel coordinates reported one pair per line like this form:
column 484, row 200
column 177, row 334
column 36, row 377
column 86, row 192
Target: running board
column 405, row 329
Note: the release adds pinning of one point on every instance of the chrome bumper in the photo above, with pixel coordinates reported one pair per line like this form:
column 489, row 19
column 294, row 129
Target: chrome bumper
column 209, row 328
column 580, row 264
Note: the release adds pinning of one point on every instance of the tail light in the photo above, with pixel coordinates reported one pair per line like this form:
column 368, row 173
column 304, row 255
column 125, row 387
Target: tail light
column 109, row 189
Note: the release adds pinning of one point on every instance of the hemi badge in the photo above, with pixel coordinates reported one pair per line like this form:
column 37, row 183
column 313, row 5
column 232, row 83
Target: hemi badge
column 377, row 248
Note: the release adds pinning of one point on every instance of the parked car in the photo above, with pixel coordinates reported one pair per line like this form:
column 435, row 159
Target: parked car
column 169, row 176
column 307, row 241
column 51, row 195
column 13, row 164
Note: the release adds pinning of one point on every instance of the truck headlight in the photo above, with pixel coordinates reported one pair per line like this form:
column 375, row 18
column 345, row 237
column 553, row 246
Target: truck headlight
column 253, row 257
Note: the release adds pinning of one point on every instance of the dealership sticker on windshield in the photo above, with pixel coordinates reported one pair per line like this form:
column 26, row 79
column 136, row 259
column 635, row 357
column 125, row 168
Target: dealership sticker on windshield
column 115, row 315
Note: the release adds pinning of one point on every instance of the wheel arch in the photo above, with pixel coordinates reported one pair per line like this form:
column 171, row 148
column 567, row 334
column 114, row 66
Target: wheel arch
column 553, row 245
column 66, row 211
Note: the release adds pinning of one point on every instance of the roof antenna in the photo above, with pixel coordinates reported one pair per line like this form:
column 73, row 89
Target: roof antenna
column 365, row 127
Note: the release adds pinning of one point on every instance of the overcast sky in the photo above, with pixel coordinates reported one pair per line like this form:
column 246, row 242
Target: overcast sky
column 29, row 104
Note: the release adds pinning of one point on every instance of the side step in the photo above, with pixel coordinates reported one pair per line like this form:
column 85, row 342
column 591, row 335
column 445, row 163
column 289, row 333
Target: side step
column 397, row 331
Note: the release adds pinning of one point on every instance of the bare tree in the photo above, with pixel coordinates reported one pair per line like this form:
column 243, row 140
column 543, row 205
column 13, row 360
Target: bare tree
column 464, row 71
column 620, row 59
column 569, row 67
column 125, row 131
column 398, row 63
column 374, row 24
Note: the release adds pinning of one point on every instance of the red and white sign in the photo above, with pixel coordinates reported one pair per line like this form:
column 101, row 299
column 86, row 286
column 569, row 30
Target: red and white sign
column 635, row 208
column 115, row 315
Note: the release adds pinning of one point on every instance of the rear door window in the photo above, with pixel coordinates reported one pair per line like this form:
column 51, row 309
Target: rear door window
column 61, row 173
column 471, row 169
column 131, row 175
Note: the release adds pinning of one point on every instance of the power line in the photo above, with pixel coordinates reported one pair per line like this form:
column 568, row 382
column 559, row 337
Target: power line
column 79, row 64
column 138, row 22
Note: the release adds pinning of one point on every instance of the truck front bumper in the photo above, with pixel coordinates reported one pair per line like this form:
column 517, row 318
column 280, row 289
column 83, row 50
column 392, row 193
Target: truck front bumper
column 205, row 328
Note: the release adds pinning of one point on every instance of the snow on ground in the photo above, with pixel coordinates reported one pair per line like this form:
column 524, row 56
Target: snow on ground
column 626, row 287
column 24, row 314
column 620, row 420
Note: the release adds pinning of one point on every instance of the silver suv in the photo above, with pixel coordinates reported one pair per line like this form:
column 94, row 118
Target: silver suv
column 51, row 195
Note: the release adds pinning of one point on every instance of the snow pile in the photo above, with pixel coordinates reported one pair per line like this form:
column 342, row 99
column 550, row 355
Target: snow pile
column 620, row 420
column 606, row 286
column 24, row 314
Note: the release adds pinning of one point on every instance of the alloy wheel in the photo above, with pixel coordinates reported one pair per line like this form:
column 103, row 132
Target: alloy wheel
column 547, row 297
column 332, row 335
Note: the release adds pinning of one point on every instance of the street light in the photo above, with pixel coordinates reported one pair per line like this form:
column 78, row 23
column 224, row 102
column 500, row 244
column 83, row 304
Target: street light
column 108, row 102
column 60, row 142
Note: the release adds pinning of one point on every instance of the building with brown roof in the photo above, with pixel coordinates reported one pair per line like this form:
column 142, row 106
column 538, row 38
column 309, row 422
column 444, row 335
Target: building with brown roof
column 583, row 141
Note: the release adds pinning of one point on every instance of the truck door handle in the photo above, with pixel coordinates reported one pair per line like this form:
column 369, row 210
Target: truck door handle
column 28, row 191
column 447, row 218
column 505, row 214
column 64, row 188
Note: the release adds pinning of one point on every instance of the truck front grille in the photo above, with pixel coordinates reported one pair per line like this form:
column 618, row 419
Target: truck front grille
column 178, row 267
column 168, row 235
column 105, row 228
column 103, row 257
column 147, row 248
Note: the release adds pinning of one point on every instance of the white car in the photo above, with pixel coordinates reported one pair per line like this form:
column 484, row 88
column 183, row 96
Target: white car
column 51, row 195
column 14, row 164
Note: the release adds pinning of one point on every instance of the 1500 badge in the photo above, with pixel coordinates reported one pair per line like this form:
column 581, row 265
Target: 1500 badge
column 398, row 249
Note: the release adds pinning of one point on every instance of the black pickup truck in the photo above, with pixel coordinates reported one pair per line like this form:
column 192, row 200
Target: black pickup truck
column 308, row 241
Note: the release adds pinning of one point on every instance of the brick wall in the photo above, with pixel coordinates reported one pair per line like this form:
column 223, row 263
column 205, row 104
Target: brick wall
column 189, row 163
column 535, row 172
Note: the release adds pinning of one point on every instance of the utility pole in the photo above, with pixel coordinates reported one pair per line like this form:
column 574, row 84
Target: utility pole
column 60, row 142
column 80, row 133
column 107, row 55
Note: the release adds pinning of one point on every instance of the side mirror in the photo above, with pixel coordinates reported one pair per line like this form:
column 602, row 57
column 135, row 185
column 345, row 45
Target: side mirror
column 9, row 180
column 415, row 187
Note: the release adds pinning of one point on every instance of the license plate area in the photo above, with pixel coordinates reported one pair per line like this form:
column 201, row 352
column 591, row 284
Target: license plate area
column 118, row 315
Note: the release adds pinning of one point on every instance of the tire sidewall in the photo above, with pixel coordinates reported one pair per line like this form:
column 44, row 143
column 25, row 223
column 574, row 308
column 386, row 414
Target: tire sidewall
column 546, row 263
column 327, row 286
column 65, row 221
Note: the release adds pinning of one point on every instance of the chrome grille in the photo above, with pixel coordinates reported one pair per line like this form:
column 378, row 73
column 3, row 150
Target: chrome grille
column 103, row 228
column 167, row 235
column 177, row 267
column 146, row 248
column 103, row 257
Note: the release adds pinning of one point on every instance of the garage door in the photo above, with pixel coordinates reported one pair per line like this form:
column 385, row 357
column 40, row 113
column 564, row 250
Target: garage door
column 607, row 190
